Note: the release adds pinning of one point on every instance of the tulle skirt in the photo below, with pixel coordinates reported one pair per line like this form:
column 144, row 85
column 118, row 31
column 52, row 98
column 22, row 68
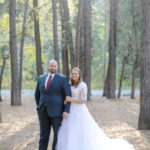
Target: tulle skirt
column 81, row 132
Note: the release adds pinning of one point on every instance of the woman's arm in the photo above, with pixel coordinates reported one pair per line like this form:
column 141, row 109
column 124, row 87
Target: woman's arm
column 78, row 101
column 83, row 95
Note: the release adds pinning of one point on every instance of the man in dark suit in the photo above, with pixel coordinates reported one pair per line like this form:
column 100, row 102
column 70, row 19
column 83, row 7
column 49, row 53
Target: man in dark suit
column 50, row 93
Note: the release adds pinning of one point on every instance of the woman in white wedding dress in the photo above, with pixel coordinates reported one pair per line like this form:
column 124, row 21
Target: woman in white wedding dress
column 80, row 131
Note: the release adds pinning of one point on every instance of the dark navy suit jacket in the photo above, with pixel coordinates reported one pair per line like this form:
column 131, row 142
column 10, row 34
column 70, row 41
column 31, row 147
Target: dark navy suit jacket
column 54, row 97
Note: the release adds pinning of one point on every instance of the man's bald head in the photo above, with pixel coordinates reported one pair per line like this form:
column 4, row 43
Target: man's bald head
column 52, row 66
column 53, row 61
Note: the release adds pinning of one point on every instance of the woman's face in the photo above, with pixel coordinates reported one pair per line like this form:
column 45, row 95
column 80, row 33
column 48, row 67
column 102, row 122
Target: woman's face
column 75, row 75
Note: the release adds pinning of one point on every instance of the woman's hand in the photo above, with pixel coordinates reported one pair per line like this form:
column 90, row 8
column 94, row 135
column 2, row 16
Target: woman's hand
column 68, row 99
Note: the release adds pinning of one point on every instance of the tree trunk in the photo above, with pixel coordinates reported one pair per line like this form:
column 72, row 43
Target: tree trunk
column 0, row 114
column 15, row 99
column 65, row 61
column 55, row 36
column 134, row 70
column 22, row 46
column 136, row 61
column 37, row 39
column 112, row 48
column 121, row 78
column 105, row 91
column 125, row 58
column 87, row 45
column 133, row 83
column 134, row 29
column 1, row 74
column 105, row 49
column 68, row 32
column 81, row 52
column 144, row 117
column 78, row 31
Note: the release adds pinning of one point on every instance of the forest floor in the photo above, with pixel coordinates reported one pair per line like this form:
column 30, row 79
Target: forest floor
column 118, row 119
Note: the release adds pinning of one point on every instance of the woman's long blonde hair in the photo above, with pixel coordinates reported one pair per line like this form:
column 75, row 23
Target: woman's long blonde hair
column 75, row 84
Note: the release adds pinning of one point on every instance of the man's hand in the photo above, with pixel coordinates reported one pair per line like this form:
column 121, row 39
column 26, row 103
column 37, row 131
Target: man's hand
column 65, row 115
column 65, row 102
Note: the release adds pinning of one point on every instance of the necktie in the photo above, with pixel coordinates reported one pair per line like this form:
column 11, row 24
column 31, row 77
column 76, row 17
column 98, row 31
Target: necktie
column 48, row 82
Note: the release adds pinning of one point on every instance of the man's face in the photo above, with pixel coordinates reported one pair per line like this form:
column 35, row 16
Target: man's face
column 52, row 67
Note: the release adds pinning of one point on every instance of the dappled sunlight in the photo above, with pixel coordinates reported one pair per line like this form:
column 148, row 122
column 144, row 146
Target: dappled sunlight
column 24, row 144
column 117, row 118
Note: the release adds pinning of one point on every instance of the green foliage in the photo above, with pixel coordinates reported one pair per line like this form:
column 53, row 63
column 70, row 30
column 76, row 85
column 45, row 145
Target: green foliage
column 99, row 40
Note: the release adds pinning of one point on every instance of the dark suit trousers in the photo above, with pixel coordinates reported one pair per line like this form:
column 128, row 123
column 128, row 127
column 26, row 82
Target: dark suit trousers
column 46, row 123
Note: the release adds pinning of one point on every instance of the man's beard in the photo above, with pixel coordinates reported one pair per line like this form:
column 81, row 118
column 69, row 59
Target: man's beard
column 52, row 71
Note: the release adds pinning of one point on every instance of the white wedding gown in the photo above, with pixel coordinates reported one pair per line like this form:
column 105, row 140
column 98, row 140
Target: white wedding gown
column 80, row 131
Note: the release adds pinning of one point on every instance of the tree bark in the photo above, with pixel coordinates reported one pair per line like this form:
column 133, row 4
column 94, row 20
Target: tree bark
column 122, row 73
column 105, row 91
column 136, row 61
column 15, row 99
column 55, row 36
column 134, row 70
column 37, row 39
column 87, row 45
column 0, row 114
column 65, row 60
column 22, row 46
column 134, row 29
column 144, row 117
column 81, row 51
column 1, row 73
column 125, row 58
column 133, row 83
column 68, row 32
column 105, row 50
column 112, row 49
column 78, row 31
column 121, row 78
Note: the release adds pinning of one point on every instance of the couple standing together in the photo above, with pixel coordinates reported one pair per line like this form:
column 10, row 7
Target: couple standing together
column 61, row 106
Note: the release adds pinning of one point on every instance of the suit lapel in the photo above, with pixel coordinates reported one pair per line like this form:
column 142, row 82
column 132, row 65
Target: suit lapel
column 44, row 80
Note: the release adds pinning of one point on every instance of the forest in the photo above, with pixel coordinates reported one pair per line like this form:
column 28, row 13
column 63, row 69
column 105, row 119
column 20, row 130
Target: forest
column 109, row 40
column 38, row 40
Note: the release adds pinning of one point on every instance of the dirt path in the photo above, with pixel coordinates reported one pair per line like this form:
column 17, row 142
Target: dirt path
column 117, row 118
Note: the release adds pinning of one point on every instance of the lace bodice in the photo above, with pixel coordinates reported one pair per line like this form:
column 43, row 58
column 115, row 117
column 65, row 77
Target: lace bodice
column 79, row 92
